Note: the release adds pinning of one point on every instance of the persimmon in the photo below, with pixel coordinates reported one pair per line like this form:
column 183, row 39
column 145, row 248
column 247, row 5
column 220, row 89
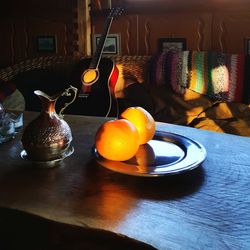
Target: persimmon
column 142, row 120
column 117, row 140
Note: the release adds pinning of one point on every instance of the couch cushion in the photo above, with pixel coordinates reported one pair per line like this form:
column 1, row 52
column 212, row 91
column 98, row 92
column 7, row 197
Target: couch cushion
column 15, row 101
column 136, row 95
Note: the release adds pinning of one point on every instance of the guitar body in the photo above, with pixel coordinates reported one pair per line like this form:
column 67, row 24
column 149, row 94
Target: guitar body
column 95, row 78
column 99, row 100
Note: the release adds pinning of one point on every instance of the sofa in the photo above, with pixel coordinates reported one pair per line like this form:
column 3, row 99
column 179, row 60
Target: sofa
column 148, row 81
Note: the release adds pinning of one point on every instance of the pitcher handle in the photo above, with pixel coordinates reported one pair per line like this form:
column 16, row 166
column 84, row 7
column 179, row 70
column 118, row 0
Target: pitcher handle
column 67, row 93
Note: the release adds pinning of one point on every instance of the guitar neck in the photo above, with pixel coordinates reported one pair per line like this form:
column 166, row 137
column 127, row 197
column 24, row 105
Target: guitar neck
column 99, row 49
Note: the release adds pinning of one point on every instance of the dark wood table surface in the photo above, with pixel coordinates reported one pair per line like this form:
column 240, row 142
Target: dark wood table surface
column 206, row 208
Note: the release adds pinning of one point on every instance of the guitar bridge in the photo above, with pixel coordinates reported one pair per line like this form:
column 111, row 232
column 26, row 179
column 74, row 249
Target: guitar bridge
column 83, row 95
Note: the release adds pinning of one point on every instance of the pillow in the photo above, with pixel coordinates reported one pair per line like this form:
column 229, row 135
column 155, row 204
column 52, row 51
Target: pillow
column 15, row 101
column 217, row 75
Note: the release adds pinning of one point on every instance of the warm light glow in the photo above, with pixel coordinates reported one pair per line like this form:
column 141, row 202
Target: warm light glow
column 109, row 194
column 89, row 76
column 120, row 83
column 219, row 81
column 220, row 77
column 224, row 111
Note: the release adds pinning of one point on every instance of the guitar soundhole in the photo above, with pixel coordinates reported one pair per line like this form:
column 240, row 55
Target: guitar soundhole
column 90, row 76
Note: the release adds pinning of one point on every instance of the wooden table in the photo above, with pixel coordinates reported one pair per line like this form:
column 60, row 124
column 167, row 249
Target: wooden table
column 207, row 208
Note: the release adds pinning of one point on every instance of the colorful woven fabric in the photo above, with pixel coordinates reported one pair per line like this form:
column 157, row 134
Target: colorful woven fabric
column 185, row 71
column 217, row 75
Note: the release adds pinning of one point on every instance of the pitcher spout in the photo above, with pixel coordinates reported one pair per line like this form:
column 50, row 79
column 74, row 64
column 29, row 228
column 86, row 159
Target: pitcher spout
column 48, row 102
column 41, row 94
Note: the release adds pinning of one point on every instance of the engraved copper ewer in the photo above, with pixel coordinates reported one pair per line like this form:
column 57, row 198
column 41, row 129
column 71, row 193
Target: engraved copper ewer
column 48, row 136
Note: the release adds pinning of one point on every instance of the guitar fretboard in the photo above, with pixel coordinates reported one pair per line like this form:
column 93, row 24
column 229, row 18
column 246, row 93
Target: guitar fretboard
column 98, row 52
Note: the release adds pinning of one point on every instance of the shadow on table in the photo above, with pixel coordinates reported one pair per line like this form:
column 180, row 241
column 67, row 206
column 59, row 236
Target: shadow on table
column 20, row 230
column 155, row 188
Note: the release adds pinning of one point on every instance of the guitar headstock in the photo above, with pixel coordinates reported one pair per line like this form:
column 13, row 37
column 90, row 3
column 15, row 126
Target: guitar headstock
column 116, row 11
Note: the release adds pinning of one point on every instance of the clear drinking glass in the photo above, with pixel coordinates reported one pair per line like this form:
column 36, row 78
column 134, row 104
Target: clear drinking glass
column 7, row 126
column 2, row 111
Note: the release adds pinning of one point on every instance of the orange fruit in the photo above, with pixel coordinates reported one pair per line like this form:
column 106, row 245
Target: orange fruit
column 117, row 140
column 142, row 120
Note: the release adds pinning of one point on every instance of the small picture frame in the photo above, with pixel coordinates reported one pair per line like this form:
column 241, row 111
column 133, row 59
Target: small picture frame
column 247, row 45
column 111, row 46
column 171, row 44
column 46, row 44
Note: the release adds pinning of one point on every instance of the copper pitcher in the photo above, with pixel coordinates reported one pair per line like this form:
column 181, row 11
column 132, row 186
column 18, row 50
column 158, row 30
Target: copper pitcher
column 48, row 136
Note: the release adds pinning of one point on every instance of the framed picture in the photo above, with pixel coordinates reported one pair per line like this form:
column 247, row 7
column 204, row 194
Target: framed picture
column 247, row 45
column 46, row 44
column 111, row 46
column 176, row 44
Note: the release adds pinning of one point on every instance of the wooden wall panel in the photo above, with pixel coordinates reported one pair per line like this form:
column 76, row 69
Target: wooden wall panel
column 20, row 36
column 196, row 28
column 128, row 34
column 126, row 27
column 212, row 25
column 20, row 39
column 37, row 27
column 139, row 33
column 230, row 30
column 206, row 25
column 22, row 21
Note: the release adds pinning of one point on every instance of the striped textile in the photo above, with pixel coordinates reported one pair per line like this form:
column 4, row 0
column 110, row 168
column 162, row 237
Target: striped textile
column 217, row 75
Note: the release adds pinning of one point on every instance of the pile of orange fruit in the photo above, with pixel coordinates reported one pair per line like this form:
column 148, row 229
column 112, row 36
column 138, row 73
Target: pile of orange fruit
column 120, row 139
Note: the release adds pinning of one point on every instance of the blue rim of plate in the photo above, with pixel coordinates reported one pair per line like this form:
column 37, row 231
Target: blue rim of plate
column 167, row 154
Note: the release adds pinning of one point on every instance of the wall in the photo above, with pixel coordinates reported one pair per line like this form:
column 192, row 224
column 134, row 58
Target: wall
column 206, row 25
column 22, row 21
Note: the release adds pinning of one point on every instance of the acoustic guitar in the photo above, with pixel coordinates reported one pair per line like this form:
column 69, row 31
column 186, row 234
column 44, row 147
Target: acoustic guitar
column 96, row 79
